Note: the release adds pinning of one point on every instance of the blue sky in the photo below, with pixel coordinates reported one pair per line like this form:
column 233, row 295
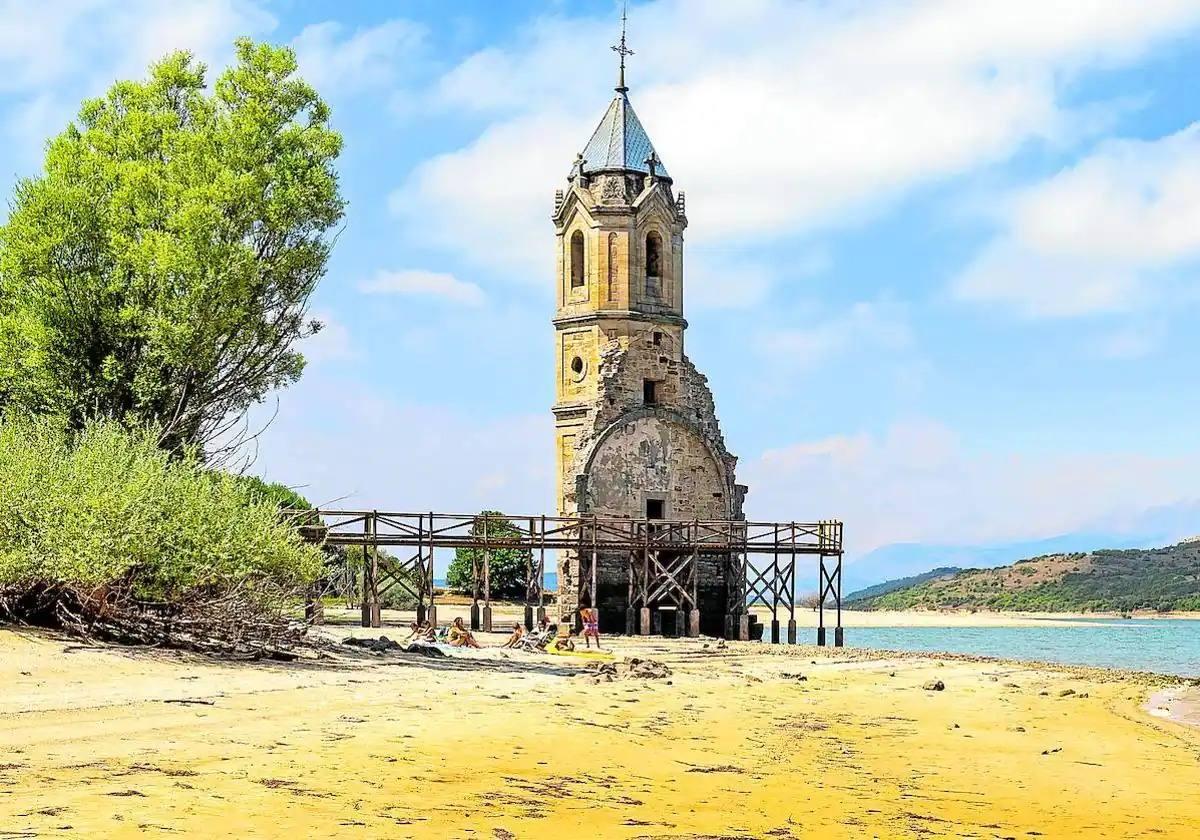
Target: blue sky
column 940, row 270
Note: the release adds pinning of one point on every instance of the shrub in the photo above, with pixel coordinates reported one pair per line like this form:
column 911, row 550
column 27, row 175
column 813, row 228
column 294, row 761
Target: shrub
column 106, row 534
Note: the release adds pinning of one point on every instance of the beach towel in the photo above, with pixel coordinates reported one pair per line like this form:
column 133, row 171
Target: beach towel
column 581, row 654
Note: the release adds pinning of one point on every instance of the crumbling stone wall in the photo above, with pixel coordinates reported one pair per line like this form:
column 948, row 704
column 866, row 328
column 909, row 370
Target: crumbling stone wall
column 627, row 452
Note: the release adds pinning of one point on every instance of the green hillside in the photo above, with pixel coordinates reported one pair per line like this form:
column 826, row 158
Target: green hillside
column 1110, row 580
column 868, row 593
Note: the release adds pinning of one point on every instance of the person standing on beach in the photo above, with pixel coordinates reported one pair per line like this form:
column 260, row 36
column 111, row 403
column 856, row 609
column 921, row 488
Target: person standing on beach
column 590, row 616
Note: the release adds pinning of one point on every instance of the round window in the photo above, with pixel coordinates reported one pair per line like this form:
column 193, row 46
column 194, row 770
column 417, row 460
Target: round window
column 578, row 367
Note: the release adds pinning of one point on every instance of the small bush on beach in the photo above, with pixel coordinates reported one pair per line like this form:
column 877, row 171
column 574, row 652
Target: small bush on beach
column 105, row 534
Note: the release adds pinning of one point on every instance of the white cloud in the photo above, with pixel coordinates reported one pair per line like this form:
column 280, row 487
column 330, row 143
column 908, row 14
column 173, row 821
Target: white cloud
column 53, row 55
column 918, row 482
column 491, row 201
column 798, row 115
column 424, row 284
column 372, row 57
column 1108, row 234
column 353, row 442
column 1134, row 341
column 148, row 30
column 33, row 40
column 716, row 279
column 872, row 326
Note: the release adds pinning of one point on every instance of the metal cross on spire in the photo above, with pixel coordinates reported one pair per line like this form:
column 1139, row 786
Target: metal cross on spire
column 622, row 50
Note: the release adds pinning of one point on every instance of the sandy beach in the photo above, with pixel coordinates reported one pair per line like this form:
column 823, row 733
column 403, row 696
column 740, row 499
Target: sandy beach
column 740, row 741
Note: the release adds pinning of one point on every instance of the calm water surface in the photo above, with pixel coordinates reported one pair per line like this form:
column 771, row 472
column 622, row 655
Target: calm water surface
column 1166, row 646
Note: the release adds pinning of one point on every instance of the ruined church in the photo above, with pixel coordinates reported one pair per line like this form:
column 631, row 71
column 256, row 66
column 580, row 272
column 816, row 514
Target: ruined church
column 636, row 428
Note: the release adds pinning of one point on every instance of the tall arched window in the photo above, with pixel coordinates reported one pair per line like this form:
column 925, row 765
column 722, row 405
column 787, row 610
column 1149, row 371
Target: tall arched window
column 577, row 275
column 653, row 264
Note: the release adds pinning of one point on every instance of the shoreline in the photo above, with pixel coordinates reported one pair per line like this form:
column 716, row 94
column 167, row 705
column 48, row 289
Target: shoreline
column 507, row 612
column 977, row 618
column 738, row 740
column 1178, row 704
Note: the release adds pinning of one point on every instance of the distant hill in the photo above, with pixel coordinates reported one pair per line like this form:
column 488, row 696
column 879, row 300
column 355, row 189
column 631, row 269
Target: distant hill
column 899, row 560
column 887, row 586
column 1109, row 580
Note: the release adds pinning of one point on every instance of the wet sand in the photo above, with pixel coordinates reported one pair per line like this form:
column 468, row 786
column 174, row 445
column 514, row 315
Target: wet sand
column 808, row 618
column 110, row 742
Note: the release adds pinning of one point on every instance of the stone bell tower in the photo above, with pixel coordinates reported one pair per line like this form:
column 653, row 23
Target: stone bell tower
column 635, row 425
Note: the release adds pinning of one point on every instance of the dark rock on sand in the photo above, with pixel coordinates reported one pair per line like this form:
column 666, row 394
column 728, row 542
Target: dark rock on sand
column 633, row 668
column 383, row 645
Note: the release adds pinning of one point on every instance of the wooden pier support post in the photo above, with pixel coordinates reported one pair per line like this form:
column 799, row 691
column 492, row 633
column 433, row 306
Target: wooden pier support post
column 644, row 621
column 656, row 622
column 487, row 581
column 475, row 589
column 838, row 639
column 431, row 614
column 681, row 623
column 776, row 586
column 822, row 592
column 370, row 595
column 791, row 590
column 737, row 627
column 693, row 629
column 419, row 568
column 631, row 618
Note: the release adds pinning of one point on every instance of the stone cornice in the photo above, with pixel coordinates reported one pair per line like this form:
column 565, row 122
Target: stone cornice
column 620, row 315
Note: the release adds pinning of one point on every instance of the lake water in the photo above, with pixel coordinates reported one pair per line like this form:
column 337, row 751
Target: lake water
column 1165, row 646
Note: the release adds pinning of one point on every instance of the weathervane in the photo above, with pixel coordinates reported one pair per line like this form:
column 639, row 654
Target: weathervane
column 622, row 50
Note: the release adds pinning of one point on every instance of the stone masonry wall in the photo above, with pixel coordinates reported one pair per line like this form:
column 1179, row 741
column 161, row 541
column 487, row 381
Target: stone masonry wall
column 626, row 452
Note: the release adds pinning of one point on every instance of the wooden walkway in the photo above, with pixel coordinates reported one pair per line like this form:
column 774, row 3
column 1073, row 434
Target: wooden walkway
column 760, row 561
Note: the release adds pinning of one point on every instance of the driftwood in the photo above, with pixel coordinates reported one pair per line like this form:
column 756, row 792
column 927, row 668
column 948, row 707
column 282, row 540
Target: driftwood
column 241, row 620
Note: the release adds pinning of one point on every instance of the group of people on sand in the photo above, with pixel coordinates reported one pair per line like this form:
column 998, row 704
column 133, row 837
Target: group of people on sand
column 456, row 635
column 546, row 636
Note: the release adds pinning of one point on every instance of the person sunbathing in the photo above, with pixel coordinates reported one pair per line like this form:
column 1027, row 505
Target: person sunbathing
column 416, row 633
column 460, row 636
column 562, row 640
column 518, row 632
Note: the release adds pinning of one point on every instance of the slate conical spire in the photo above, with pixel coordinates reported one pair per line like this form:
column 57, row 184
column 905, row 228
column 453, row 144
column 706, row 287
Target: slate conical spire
column 619, row 141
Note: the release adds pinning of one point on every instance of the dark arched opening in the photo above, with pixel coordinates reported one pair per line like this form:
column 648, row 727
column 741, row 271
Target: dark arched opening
column 577, row 276
column 653, row 264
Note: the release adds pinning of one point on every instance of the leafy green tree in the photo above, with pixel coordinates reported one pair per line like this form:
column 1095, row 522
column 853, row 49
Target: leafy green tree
column 284, row 497
column 506, row 568
column 158, row 271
